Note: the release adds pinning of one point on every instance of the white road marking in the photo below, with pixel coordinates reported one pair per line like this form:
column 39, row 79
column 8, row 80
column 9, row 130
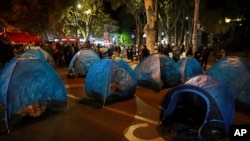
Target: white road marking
column 132, row 116
column 130, row 133
column 122, row 112
column 72, row 96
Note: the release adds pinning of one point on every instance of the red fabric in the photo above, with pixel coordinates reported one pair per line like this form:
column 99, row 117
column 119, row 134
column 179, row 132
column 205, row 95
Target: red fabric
column 18, row 37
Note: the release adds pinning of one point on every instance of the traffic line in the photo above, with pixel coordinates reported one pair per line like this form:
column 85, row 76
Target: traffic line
column 133, row 116
column 123, row 113
column 72, row 96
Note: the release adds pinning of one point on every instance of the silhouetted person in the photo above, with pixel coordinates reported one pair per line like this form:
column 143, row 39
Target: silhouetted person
column 189, row 51
column 223, row 53
column 6, row 53
column 204, row 57
column 144, row 52
column 176, row 54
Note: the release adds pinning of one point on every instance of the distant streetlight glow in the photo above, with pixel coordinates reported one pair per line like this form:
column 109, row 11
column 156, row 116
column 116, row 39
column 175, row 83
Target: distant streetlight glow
column 79, row 6
column 228, row 20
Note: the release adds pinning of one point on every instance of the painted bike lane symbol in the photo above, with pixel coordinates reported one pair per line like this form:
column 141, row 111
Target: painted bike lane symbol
column 130, row 133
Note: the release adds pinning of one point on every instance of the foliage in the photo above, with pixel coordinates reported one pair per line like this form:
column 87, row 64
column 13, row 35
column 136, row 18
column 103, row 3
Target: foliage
column 27, row 20
column 45, row 17
column 125, row 39
column 135, row 8
column 128, row 23
column 34, row 16
column 173, row 13
column 115, row 4
column 84, row 20
column 51, row 17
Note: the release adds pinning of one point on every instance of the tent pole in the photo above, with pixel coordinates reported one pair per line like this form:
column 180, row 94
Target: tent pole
column 6, row 120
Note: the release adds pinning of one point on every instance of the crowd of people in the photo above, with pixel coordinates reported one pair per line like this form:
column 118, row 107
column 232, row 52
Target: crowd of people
column 62, row 52
column 202, row 53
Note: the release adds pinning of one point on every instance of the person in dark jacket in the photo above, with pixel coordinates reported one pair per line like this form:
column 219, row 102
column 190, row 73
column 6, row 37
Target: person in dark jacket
column 144, row 52
column 6, row 53
column 110, row 51
column 176, row 54
column 189, row 51
column 204, row 57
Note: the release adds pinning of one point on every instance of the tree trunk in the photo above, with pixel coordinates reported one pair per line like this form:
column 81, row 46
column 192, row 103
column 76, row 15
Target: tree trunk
column 195, row 30
column 138, row 30
column 149, row 28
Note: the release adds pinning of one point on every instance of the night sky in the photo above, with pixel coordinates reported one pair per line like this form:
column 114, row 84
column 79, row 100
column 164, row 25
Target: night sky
column 113, row 13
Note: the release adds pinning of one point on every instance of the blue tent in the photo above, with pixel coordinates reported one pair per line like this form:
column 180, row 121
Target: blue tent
column 157, row 70
column 235, row 72
column 83, row 60
column 28, row 81
column 202, row 108
column 189, row 67
column 110, row 80
column 41, row 54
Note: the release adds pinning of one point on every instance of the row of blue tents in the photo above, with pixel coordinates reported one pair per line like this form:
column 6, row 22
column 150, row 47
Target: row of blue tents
column 207, row 99
column 154, row 72
column 32, row 78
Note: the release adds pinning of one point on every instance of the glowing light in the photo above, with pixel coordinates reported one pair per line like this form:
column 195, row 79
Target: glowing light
column 228, row 20
column 79, row 6
column 88, row 11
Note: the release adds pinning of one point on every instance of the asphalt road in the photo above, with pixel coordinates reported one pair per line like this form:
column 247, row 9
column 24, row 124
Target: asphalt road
column 135, row 119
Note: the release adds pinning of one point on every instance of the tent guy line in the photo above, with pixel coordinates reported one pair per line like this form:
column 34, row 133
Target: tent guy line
column 123, row 113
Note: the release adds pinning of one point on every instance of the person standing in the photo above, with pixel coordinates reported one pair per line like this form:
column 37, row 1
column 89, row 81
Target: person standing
column 198, row 53
column 130, row 53
column 144, row 52
column 223, row 53
column 189, row 51
column 6, row 53
column 165, row 49
column 204, row 57
column 110, row 51
column 176, row 54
